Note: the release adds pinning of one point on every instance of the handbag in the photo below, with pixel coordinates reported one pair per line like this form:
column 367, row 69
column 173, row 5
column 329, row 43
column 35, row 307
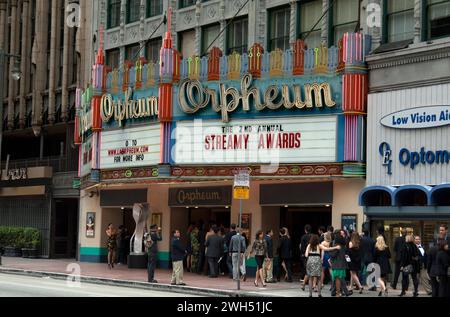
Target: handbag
column 408, row 269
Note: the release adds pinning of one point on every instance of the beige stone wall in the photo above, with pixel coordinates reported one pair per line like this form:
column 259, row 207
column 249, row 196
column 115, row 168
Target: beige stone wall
column 345, row 201
column 88, row 204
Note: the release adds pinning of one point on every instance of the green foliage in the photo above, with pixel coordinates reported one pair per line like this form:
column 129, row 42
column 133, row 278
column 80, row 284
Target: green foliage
column 20, row 237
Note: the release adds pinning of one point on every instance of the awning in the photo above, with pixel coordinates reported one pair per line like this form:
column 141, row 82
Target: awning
column 406, row 195
column 377, row 196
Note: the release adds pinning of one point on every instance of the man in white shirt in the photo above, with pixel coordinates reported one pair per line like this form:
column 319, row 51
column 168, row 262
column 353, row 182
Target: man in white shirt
column 424, row 278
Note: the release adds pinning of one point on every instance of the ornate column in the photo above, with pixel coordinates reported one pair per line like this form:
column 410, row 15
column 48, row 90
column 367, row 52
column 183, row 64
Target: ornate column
column 65, row 78
column 12, row 51
column 24, row 68
column 2, row 23
column 324, row 22
column 198, row 29
column 418, row 20
column 53, row 63
column 293, row 21
column 39, row 59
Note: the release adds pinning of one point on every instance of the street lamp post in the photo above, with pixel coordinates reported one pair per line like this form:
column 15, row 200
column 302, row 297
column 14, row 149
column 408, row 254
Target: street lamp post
column 15, row 74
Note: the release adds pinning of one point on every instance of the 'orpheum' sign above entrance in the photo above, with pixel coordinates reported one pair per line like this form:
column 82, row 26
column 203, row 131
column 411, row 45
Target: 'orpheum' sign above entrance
column 127, row 109
column 193, row 96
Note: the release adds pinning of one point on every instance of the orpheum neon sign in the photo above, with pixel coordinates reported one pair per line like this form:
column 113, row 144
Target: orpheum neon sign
column 128, row 108
column 193, row 97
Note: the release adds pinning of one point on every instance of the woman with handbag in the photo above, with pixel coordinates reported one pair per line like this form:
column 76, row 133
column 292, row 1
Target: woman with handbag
column 409, row 265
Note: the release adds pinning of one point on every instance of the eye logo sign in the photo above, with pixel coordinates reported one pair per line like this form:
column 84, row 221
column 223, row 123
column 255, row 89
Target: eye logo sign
column 386, row 153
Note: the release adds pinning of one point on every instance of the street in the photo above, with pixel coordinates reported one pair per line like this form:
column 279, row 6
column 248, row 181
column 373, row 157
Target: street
column 24, row 286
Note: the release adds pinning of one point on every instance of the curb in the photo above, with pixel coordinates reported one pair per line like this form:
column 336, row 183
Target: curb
column 136, row 284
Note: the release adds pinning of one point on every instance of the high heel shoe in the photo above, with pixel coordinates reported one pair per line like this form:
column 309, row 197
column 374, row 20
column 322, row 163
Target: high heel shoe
column 380, row 293
column 256, row 284
column 264, row 285
column 361, row 290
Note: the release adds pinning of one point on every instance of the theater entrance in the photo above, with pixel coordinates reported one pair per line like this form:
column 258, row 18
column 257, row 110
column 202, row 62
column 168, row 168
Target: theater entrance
column 296, row 218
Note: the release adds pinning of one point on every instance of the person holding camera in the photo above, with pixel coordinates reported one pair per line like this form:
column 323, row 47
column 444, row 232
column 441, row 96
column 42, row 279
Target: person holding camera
column 151, row 240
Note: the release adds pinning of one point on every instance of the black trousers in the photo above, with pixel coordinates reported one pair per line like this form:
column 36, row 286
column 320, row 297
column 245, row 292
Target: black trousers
column 288, row 263
column 213, row 266
column 396, row 274
column 151, row 266
column 405, row 281
column 434, row 286
column 443, row 286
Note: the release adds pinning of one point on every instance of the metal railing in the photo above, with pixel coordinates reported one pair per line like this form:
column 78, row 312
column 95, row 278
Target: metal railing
column 59, row 163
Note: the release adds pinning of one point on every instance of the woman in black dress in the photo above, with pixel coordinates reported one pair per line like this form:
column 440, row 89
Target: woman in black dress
column 354, row 252
column 381, row 257
column 111, row 244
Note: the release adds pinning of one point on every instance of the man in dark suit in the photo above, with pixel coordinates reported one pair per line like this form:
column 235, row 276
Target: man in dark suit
column 398, row 247
column 422, row 274
column 367, row 253
column 303, row 245
column 228, row 237
column 152, row 238
column 214, row 251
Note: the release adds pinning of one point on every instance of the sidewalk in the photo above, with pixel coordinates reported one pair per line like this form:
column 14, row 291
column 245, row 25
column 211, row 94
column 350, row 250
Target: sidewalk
column 196, row 284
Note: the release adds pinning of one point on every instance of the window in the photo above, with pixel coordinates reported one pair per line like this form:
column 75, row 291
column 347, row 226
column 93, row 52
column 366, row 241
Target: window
column 187, row 43
column 310, row 13
column 113, row 13
column 152, row 50
column 133, row 10
column 113, row 58
column 399, row 20
column 132, row 52
column 237, row 36
column 279, row 29
column 186, row 3
column 438, row 18
column 345, row 18
column 154, row 7
column 209, row 34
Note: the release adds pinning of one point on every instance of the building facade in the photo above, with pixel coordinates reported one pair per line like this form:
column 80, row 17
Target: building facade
column 408, row 106
column 169, row 125
column 39, row 158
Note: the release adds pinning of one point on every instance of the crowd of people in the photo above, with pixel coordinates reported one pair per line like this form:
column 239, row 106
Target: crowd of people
column 349, row 260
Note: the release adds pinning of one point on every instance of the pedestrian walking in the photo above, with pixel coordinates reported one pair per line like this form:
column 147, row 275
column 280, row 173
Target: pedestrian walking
column 381, row 257
column 326, row 268
column 424, row 278
column 268, row 264
column 367, row 253
column 338, row 264
column 178, row 253
column 236, row 255
column 354, row 252
column 151, row 242
column 285, row 255
column 442, row 265
column 227, row 241
column 409, row 265
column 303, row 245
column 398, row 247
column 313, row 255
column 214, row 250
column 111, row 244
column 259, row 249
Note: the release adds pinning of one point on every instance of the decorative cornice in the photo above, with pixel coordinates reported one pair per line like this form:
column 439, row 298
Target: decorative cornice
column 422, row 57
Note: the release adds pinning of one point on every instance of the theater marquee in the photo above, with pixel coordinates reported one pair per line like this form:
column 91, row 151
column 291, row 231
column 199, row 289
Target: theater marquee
column 271, row 140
